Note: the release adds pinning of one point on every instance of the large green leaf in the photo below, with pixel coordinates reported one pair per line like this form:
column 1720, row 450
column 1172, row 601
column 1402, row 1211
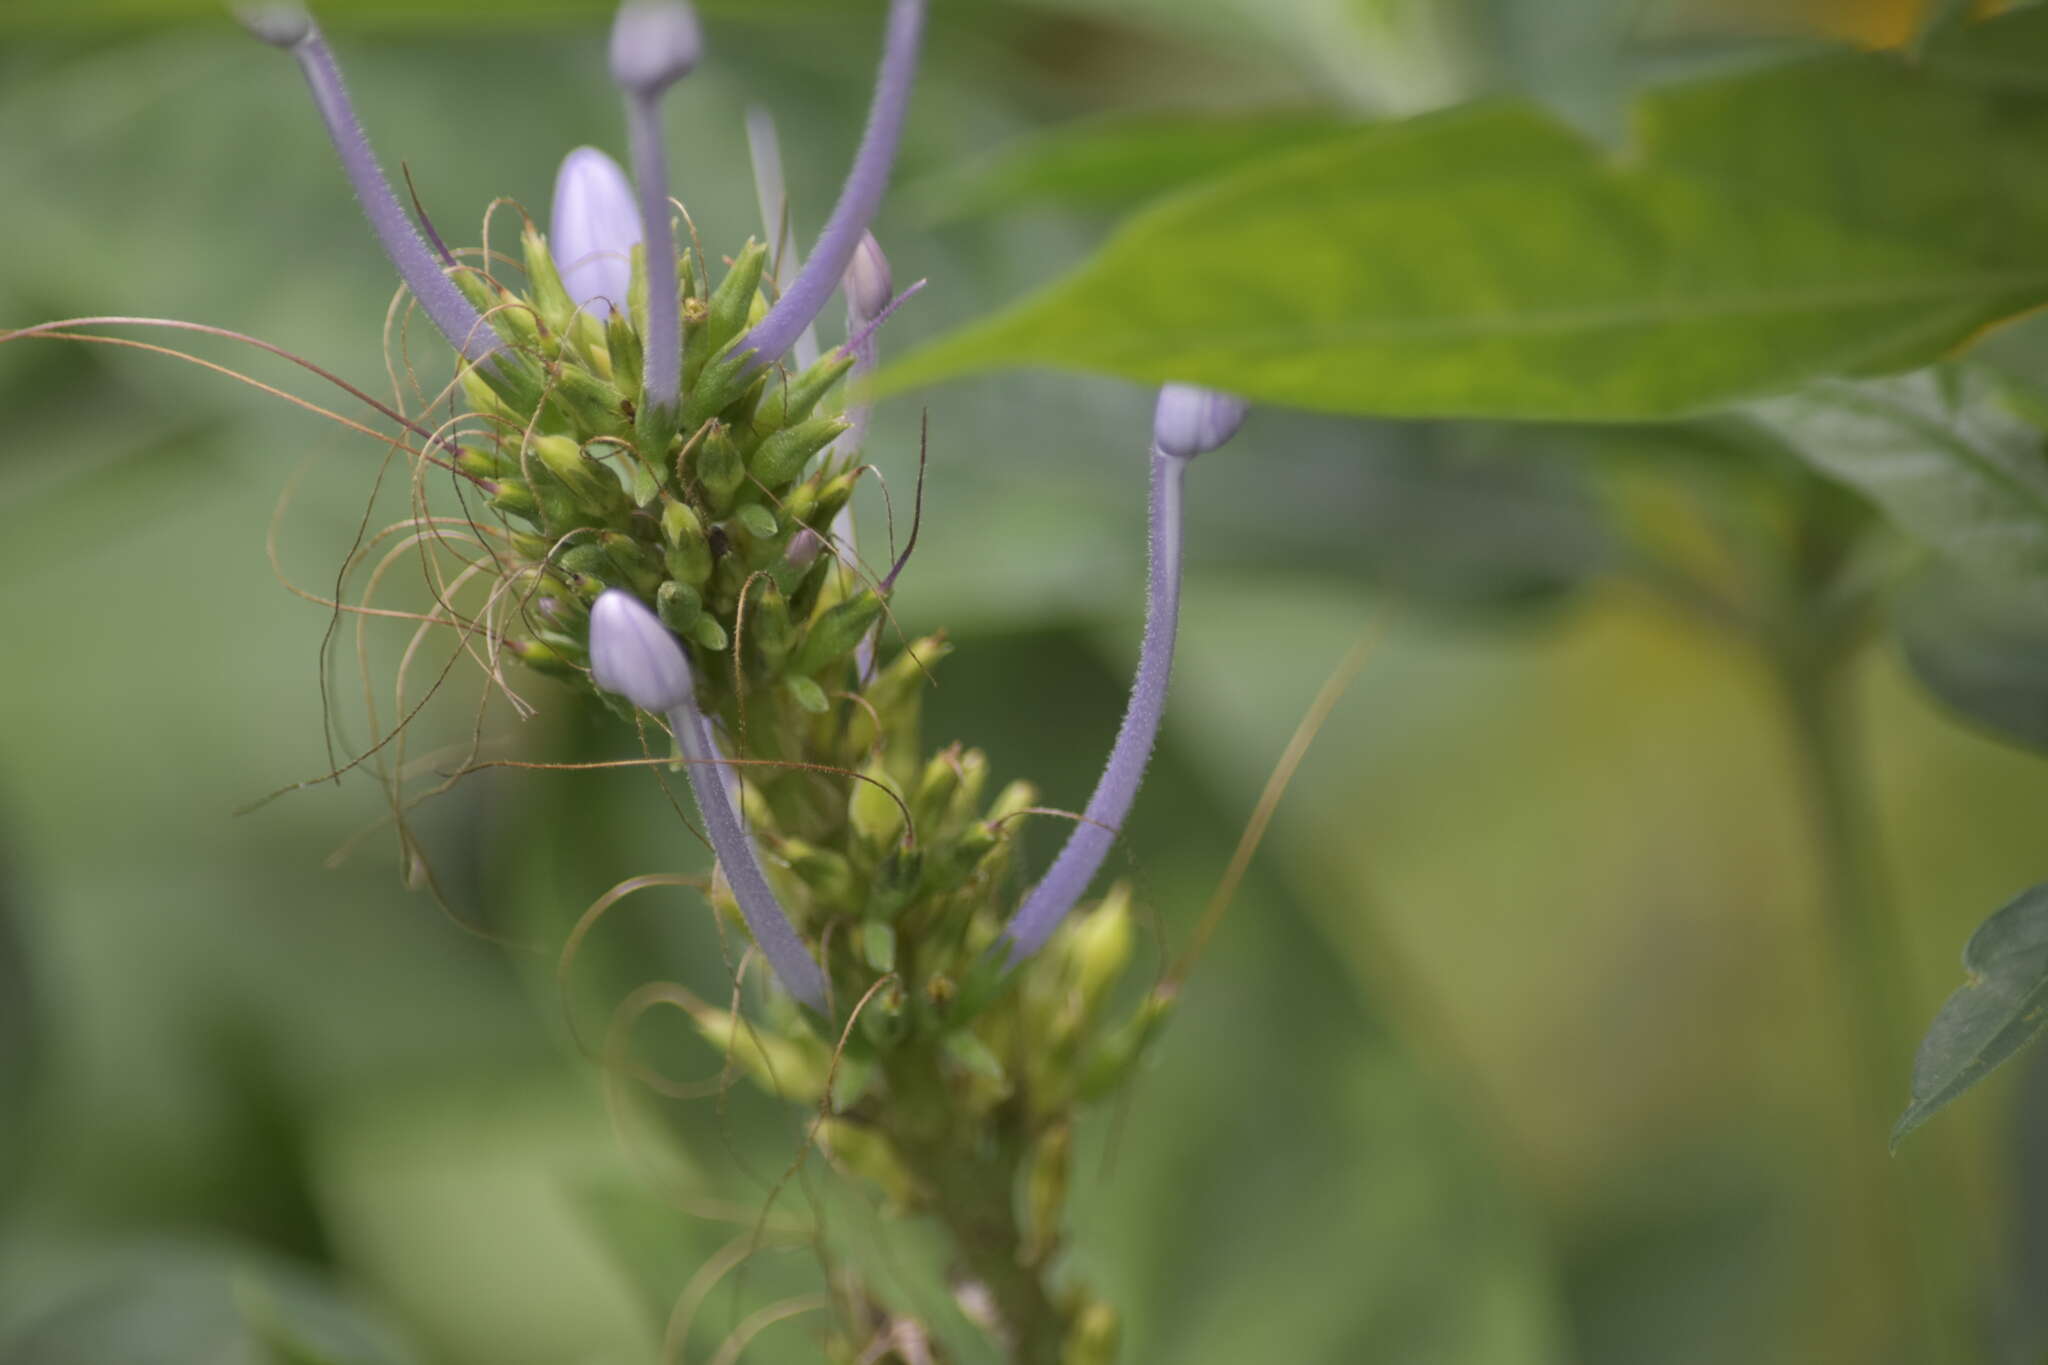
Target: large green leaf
column 1120, row 162
column 2000, row 1009
column 1947, row 454
column 1982, row 649
column 1847, row 214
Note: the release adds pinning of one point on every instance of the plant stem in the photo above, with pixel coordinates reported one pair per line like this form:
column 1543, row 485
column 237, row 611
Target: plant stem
column 1875, row 990
column 977, row 1202
column 971, row 1174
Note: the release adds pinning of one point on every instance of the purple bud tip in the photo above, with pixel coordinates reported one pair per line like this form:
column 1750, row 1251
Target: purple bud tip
column 654, row 44
column 633, row 654
column 868, row 284
column 1191, row 421
column 804, row 548
column 280, row 25
column 593, row 229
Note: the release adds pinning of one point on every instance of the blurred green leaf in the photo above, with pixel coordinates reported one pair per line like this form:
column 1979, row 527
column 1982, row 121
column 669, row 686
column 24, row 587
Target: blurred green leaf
column 185, row 1302
column 1417, row 58
column 1458, row 515
column 1843, row 215
column 1980, row 650
column 457, row 1205
column 1945, row 453
column 1346, row 1214
column 1121, row 161
column 1941, row 14
column 1999, row 1010
column 1568, row 55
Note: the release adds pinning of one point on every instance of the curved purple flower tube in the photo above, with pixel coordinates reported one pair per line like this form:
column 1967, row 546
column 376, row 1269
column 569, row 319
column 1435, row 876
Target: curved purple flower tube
column 291, row 28
column 1187, row 422
column 633, row 654
column 800, row 305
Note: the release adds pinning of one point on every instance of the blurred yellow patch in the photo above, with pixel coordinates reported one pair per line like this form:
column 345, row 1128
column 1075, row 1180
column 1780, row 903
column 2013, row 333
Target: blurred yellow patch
column 1868, row 23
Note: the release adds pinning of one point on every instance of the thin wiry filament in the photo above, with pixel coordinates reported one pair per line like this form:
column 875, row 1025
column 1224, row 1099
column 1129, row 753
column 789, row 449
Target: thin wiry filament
column 58, row 330
column 573, row 945
column 729, row 1352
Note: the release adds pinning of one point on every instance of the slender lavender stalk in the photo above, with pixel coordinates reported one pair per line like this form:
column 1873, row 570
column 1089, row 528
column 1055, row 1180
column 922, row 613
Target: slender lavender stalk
column 655, row 43
column 291, row 28
column 633, row 653
column 1187, row 422
column 800, row 305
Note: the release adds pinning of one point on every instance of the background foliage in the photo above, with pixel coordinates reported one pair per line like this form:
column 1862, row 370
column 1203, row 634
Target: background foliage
column 1524, row 1044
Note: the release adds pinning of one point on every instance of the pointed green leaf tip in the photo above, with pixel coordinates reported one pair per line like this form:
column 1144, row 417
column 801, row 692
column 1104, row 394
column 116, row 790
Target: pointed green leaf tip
column 1998, row 1011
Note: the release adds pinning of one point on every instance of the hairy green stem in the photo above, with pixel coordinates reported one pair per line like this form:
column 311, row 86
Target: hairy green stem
column 971, row 1172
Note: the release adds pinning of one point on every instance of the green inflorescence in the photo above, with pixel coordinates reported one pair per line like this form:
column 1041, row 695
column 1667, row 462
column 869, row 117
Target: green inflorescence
column 954, row 1086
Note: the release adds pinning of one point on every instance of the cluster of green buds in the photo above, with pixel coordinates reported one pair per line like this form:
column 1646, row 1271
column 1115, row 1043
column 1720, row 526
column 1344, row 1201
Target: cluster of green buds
column 668, row 464
column 724, row 530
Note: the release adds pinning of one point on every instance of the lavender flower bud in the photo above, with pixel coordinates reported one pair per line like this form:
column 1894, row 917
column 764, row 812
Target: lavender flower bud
column 592, row 231
column 1191, row 421
column 633, row 654
column 804, row 548
column 280, row 25
column 654, row 44
column 867, row 282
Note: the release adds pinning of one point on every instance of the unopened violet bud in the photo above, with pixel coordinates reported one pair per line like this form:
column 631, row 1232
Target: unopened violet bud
column 633, row 654
column 804, row 548
column 1191, row 421
column 592, row 231
column 868, row 284
column 654, row 44
column 280, row 25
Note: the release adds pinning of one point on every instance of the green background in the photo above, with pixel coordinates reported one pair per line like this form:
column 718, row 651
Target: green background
column 1518, row 1046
